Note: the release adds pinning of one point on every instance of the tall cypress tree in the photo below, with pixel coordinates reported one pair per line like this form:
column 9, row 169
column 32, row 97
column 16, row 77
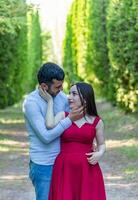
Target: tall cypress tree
column 70, row 46
column 123, row 52
column 34, row 46
column 97, row 51
column 81, row 37
column 13, row 44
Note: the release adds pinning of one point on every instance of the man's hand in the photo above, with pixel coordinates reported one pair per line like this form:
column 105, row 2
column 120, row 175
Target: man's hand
column 94, row 157
column 76, row 113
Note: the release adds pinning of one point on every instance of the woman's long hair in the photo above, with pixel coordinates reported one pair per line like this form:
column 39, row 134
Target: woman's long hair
column 86, row 94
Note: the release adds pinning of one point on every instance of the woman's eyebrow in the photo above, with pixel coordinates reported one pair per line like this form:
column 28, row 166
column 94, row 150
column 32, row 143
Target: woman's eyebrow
column 73, row 92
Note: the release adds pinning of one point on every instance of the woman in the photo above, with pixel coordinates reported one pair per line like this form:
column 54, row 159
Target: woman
column 76, row 173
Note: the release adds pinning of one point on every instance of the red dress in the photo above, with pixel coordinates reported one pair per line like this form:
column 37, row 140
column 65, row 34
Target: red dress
column 73, row 177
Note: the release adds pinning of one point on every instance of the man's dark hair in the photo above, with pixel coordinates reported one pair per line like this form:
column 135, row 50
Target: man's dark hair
column 50, row 71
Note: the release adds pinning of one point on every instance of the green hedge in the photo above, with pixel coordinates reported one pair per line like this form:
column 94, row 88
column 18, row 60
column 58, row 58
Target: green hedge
column 69, row 59
column 97, row 51
column 101, row 47
column 21, row 50
column 34, row 46
column 13, row 54
column 122, row 26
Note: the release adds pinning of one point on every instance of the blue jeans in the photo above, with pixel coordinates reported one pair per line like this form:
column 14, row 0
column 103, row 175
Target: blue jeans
column 40, row 176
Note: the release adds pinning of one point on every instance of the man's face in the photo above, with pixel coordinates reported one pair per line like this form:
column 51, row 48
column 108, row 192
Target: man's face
column 55, row 87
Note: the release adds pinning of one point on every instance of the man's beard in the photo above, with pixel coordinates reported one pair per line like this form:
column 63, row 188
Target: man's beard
column 51, row 93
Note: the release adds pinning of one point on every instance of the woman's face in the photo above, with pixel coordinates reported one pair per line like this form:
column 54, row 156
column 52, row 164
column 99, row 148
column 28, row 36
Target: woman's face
column 74, row 98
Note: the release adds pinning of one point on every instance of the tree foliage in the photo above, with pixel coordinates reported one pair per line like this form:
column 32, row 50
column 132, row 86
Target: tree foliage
column 70, row 50
column 13, row 54
column 122, row 29
column 20, row 55
column 101, row 42
column 34, row 45
column 97, row 65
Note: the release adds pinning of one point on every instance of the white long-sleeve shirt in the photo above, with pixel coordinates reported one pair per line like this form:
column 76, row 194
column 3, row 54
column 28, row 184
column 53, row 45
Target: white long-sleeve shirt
column 44, row 143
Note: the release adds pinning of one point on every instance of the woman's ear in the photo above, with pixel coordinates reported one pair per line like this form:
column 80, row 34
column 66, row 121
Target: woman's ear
column 44, row 86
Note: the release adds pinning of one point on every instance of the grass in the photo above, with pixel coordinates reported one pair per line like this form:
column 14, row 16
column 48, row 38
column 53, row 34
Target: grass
column 118, row 124
column 121, row 129
column 121, row 132
column 12, row 135
column 130, row 152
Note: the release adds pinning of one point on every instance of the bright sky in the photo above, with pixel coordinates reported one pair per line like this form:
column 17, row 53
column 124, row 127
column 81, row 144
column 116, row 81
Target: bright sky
column 53, row 18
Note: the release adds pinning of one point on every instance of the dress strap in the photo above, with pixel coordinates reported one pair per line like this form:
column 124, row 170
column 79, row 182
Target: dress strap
column 66, row 114
column 96, row 120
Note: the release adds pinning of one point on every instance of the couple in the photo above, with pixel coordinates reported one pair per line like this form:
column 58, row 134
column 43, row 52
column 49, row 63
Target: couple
column 63, row 165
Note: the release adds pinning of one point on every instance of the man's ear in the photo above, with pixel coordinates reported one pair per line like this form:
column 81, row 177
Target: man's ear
column 44, row 86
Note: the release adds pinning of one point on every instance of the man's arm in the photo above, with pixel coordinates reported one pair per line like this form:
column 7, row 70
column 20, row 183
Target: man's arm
column 37, row 121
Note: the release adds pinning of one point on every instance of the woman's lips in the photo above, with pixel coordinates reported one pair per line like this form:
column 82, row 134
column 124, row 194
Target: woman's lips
column 71, row 103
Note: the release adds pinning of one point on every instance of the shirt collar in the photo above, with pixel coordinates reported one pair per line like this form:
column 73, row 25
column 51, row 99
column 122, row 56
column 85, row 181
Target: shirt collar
column 87, row 119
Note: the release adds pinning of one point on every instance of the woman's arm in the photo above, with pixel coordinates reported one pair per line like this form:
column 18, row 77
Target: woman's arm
column 51, row 120
column 94, row 157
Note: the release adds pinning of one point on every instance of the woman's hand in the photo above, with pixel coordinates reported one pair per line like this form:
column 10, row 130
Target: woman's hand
column 45, row 95
column 93, row 157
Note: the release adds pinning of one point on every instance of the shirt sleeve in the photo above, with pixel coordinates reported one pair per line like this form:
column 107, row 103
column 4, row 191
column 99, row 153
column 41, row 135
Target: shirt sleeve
column 36, row 120
column 67, row 109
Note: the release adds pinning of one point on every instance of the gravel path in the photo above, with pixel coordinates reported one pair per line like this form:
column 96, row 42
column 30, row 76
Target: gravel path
column 14, row 182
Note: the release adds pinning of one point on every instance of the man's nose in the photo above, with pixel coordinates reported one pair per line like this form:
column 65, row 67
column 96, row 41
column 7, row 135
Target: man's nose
column 61, row 88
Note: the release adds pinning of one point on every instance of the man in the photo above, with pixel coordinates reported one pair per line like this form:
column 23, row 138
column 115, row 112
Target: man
column 44, row 143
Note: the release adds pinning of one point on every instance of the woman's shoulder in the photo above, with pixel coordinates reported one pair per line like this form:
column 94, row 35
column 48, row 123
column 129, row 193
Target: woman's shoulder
column 100, row 123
